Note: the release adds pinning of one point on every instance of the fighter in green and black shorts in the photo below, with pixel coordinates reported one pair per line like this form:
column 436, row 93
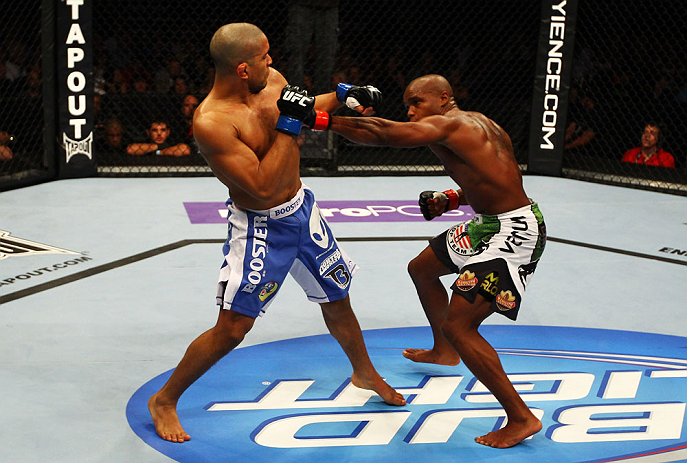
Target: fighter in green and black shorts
column 494, row 255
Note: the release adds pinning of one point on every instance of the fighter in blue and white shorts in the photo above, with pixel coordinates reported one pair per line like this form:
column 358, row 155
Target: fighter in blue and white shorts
column 263, row 246
column 494, row 255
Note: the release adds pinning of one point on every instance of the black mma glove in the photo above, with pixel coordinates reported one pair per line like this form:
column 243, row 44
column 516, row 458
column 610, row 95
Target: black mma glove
column 354, row 96
column 450, row 196
column 295, row 106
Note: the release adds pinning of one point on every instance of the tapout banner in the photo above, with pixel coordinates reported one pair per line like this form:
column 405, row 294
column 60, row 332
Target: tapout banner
column 551, row 86
column 75, row 88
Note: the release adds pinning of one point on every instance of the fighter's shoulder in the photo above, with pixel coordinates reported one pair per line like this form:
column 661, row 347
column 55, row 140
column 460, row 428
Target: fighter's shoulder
column 212, row 118
column 474, row 120
column 444, row 122
column 276, row 78
column 212, row 124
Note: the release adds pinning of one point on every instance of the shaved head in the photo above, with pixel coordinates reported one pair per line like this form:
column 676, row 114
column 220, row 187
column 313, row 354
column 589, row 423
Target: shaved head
column 428, row 95
column 431, row 83
column 234, row 44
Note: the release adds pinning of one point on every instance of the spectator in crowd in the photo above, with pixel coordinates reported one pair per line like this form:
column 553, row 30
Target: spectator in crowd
column 182, row 127
column 164, row 78
column 34, row 84
column 112, row 139
column 339, row 77
column 158, row 132
column 581, row 130
column 354, row 74
column 650, row 152
column 193, row 61
column 136, row 70
column 106, row 107
column 12, row 54
column 180, row 86
column 5, row 151
column 197, row 71
column 118, row 83
column 209, row 80
column 316, row 20
column 5, row 83
column 140, row 84
column 101, row 73
column 98, row 115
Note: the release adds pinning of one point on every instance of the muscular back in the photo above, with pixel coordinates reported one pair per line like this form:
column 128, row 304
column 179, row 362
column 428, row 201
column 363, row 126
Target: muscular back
column 478, row 155
column 239, row 142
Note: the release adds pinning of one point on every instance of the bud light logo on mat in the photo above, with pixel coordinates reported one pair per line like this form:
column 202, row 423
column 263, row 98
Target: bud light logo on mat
column 602, row 396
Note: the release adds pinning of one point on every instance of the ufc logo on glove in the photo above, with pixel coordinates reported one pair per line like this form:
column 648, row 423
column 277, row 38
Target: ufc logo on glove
column 292, row 96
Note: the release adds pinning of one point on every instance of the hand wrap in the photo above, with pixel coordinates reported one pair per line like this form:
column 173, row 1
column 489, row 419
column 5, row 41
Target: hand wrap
column 353, row 96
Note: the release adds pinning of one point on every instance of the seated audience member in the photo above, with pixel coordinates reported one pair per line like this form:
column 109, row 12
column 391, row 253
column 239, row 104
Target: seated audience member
column 5, row 151
column 182, row 126
column 158, row 132
column 140, row 84
column 180, row 86
column 112, row 140
column 581, row 133
column 650, row 152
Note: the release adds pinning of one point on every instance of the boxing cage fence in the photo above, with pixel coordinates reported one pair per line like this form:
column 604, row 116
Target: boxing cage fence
column 573, row 82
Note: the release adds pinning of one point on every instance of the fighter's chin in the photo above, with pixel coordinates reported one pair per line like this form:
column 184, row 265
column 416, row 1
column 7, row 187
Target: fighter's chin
column 255, row 89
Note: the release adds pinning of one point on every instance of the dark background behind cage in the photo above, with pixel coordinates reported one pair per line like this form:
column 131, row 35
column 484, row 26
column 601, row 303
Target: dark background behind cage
column 23, row 156
column 629, row 68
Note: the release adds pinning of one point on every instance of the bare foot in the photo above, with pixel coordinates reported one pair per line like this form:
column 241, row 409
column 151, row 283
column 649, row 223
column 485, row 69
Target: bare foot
column 432, row 356
column 386, row 392
column 166, row 421
column 511, row 434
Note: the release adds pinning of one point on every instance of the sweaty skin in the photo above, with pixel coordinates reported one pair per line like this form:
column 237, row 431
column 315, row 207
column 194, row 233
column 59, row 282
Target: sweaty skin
column 236, row 136
column 478, row 155
column 475, row 151
column 235, row 130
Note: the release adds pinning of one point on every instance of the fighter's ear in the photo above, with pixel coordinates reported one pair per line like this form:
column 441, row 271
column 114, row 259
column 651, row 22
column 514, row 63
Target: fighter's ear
column 242, row 70
column 445, row 98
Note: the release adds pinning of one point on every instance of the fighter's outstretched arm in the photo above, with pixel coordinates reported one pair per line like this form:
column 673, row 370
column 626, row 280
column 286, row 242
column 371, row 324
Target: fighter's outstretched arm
column 327, row 102
column 382, row 132
column 365, row 99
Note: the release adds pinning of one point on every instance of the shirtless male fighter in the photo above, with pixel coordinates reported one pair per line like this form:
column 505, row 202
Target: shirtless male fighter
column 494, row 254
column 275, row 226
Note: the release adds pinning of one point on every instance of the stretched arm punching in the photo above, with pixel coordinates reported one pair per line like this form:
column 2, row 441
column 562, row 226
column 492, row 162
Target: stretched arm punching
column 376, row 131
column 366, row 100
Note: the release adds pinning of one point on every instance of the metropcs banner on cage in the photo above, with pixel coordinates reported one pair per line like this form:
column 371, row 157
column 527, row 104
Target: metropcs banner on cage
column 75, row 88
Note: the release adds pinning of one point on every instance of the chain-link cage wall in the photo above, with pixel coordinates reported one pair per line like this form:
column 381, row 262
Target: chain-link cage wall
column 152, row 67
column 629, row 72
column 22, row 153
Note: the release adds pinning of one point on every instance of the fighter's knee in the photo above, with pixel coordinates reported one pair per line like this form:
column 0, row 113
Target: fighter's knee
column 229, row 339
column 336, row 308
column 231, row 329
column 415, row 268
